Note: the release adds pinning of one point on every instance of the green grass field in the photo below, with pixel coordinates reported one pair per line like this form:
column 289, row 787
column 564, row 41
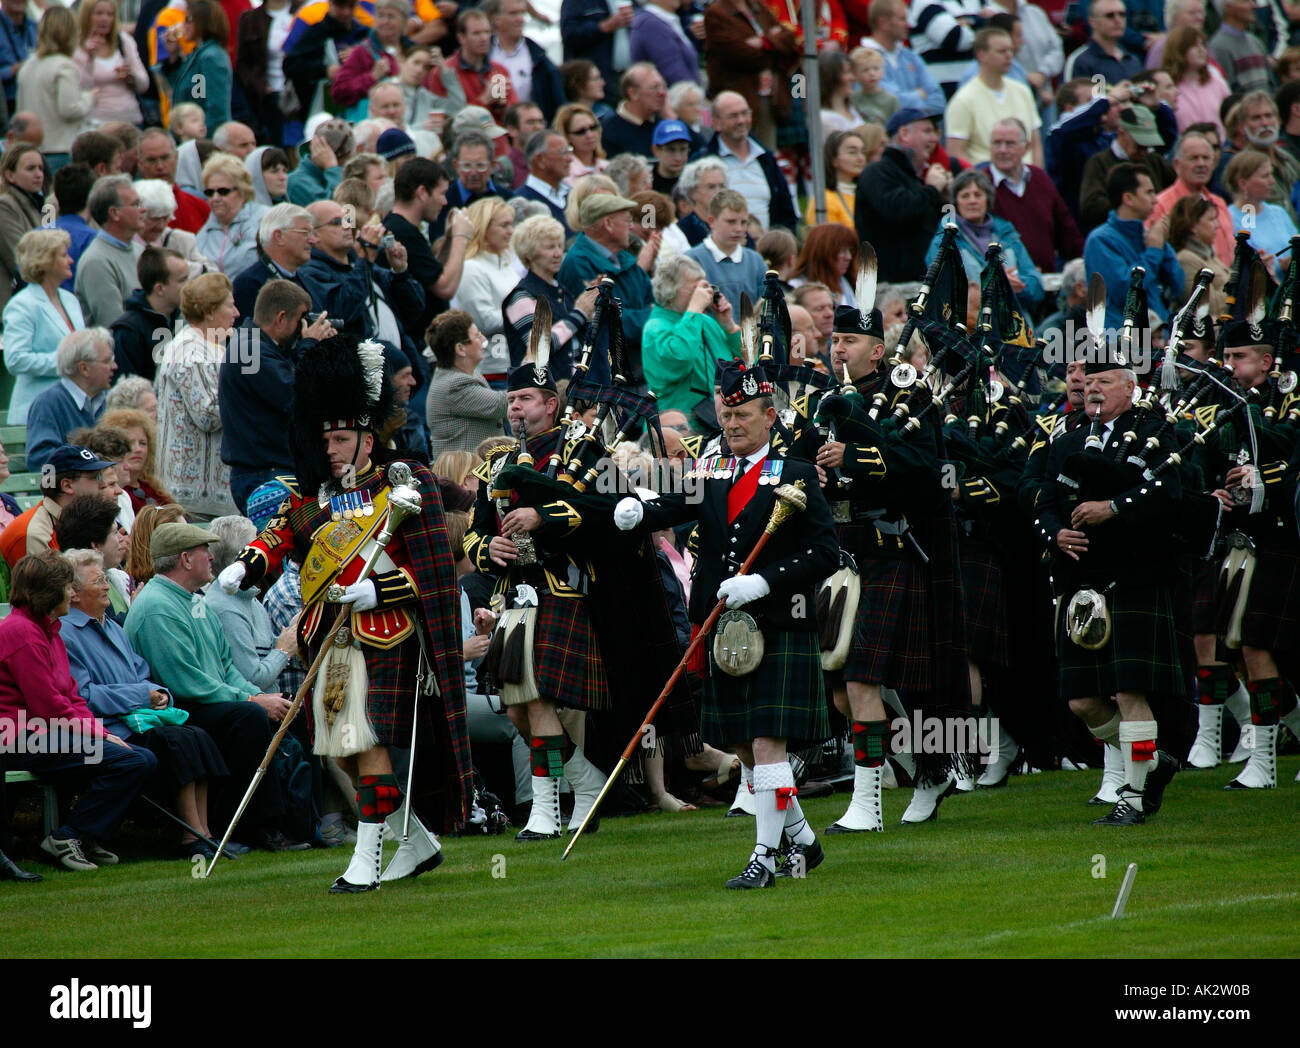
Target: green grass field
column 1007, row 873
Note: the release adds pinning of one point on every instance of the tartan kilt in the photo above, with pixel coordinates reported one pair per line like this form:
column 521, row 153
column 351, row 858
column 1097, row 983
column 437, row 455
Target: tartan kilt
column 783, row 698
column 566, row 655
column 987, row 641
column 891, row 634
column 1204, row 582
column 1272, row 619
column 390, row 692
column 1143, row 653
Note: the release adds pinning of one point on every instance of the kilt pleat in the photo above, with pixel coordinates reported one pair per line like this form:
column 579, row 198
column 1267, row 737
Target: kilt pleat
column 1143, row 652
column 891, row 635
column 987, row 638
column 782, row 699
column 566, row 655
column 1204, row 581
column 1272, row 619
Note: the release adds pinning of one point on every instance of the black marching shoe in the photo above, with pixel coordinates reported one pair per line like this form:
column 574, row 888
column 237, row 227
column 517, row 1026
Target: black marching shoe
column 1123, row 814
column 800, row 859
column 755, row 875
column 11, row 871
column 1157, row 779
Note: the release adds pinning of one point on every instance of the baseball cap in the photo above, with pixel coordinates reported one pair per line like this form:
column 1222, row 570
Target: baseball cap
column 476, row 118
column 904, row 117
column 670, row 131
column 73, row 458
column 598, row 205
column 1140, row 122
column 168, row 540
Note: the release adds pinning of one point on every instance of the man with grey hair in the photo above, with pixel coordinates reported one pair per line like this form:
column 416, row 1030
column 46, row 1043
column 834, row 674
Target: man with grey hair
column 1243, row 59
column 699, row 181
column 106, row 269
column 285, row 237
column 471, row 158
column 751, row 169
column 630, row 128
column 1194, row 166
column 235, row 138
column 86, row 367
column 547, row 154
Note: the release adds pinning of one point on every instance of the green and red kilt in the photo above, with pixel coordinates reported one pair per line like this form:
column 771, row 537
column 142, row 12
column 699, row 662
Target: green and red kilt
column 1272, row 619
column 1204, row 582
column 782, row 699
column 566, row 655
column 1143, row 652
column 987, row 640
column 891, row 634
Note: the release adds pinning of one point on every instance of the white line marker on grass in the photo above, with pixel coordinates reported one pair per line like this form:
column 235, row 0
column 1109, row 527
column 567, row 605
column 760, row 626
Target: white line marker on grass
column 1122, row 899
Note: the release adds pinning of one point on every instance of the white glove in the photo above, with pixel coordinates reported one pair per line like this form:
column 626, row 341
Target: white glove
column 361, row 595
column 742, row 589
column 628, row 513
column 231, row 577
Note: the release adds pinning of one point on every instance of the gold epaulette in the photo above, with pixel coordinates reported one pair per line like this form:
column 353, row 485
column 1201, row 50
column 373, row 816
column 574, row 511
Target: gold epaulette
column 484, row 471
column 693, row 444
column 1204, row 415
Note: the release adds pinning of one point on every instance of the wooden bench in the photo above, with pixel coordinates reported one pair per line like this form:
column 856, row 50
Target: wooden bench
column 49, row 796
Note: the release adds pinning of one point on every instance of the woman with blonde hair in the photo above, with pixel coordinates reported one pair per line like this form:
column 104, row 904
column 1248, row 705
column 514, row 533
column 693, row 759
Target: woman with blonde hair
column 580, row 128
column 189, row 421
column 137, row 473
column 489, row 275
column 459, row 466
column 229, row 236
column 38, row 317
column 110, row 64
column 49, row 85
column 139, row 562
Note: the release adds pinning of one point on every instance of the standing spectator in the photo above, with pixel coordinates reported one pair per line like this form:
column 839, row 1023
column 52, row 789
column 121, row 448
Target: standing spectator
column 17, row 41
column 261, row 33
column 818, row 302
column 157, row 159
column 314, row 53
column 584, row 84
column 484, row 82
column 488, row 278
column 731, row 267
column 189, row 418
column 580, row 128
column 751, row 54
column 106, row 271
column 1193, row 223
column 229, row 236
column 202, row 77
column 85, row 363
column 72, row 187
column 657, row 37
column 1136, row 141
column 1103, row 55
column 1288, row 106
column 157, row 209
column 154, row 307
column 1194, row 165
column 845, row 157
column 132, row 393
column 100, row 152
column 285, row 237
column 22, row 177
column 91, row 522
column 1178, row 13
column 38, row 317
column 1249, row 177
column 532, row 73
column 991, row 97
column 423, row 110
column 548, row 155
column 630, row 129
column 24, row 127
column 36, row 683
column 49, row 85
column 1026, row 198
column 138, row 472
column 829, row 256
column 235, row 138
column 598, row 31
column 672, row 148
column 700, row 180
column 462, row 409
column 538, row 243
column 906, row 76
column 1040, row 52
column 901, row 196
column 1113, row 249
column 872, row 102
column 70, row 471
column 1238, row 53
column 1201, row 87
column 752, row 170
column 373, row 60
column 943, row 37
column 109, row 64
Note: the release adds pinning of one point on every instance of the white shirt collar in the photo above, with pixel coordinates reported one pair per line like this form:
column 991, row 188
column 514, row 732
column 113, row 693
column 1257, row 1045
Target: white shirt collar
column 559, row 197
column 1017, row 187
column 754, row 459
column 78, row 395
column 755, row 149
column 736, row 256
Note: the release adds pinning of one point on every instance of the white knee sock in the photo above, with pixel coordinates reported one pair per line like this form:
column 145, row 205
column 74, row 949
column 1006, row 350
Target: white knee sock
column 769, row 821
column 1138, row 741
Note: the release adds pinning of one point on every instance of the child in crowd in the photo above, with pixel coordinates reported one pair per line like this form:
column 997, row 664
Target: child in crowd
column 871, row 100
column 187, row 122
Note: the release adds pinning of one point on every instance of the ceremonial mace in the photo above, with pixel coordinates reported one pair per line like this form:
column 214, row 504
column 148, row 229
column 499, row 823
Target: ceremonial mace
column 404, row 500
column 790, row 499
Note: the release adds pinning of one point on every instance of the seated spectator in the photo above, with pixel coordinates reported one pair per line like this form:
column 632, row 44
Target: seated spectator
column 189, row 418
column 1201, row 87
column 1238, row 52
column 522, row 121
column 837, row 82
column 547, row 154
column 672, row 144
column 268, row 167
column 1249, row 177
column 72, row 185
column 86, row 367
column 458, row 467
column 489, row 276
column 157, row 212
column 630, row 128
column 115, row 682
column 229, row 236
column 1137, row 141
column 152, row 309
column 587, row 185
column 751, row 169
column 285, row 237
column 1194, row 165
column 70, row 471
column 109, row 444
column 700, row 179
column 106, row 269
column 819, row 303
column 188, row 655
column 471, row 157
column 731, row 267
column 36, row 684
column 630, row 173
column 845, row 157
column 538, row 243
column 688, row 331
column 584, row 85
column 462, row 409
column 1261, row 125
column 133, row 393
column 686, row 102
column 372, row 60
column 1025, row 196
column 139, row 565
column 157, row 159
column 36, row 319
column 1123, row 242
column 137, row 472
column 1192, row 226
column 188, row 123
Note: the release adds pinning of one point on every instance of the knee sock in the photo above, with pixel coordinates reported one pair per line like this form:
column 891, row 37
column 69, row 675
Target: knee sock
column 769, row 814
column 1137, row 739
column 1107, row 732
column 1266, row 700
column 377, row 797
column 546, row 755
column 1214, row 684
column 869, row 743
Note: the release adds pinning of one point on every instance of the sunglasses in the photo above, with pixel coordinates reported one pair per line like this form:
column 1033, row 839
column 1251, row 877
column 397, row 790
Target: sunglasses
column 584, row 130
column 219, row 191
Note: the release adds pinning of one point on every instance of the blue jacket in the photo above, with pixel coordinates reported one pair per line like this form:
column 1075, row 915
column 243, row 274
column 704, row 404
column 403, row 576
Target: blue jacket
column 32, row 332
column 905, row 72
column 580, row 30
column 1113, row 249
column 110, row 674
column 345, row 291
column 308, row 183
column 52, row 416
column 583, row 262
column 15, row 46
column 248, row 282
column 256, row 406
column 1013, row 248
column 207, row 65
column 81, row 232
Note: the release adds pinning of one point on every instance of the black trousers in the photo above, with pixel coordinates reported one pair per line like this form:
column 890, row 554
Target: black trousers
column 242, row 731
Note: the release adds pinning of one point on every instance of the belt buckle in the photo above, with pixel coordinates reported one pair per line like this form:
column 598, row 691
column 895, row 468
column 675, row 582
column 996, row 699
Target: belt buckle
column 841, row 512
column 1240, row 540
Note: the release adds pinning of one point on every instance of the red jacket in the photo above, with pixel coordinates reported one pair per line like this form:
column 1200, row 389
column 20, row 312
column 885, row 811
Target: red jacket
column 191, row 212
column 35, row 677
column 481, row 87
column 356, row 77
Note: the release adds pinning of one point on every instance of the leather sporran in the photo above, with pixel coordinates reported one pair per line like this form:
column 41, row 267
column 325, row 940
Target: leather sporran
column 737, row 644
column 1235, row 577
column 1087, row 617
column 837, row 609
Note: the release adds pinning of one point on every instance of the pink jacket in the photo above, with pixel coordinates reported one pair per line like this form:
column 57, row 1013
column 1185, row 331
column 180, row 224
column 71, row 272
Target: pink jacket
column 35, row 678
column 356, row 77
column 116, row 98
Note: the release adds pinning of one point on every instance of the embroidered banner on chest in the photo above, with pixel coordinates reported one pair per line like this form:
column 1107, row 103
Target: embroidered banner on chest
column 335, row 544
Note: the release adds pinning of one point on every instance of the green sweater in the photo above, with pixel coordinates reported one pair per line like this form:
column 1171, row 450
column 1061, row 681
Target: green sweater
column 182, row 640
column 678, row 351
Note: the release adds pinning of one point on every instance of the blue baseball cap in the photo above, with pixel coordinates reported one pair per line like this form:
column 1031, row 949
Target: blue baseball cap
column 904, row 117
column 670, row 131
column 72, row 458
